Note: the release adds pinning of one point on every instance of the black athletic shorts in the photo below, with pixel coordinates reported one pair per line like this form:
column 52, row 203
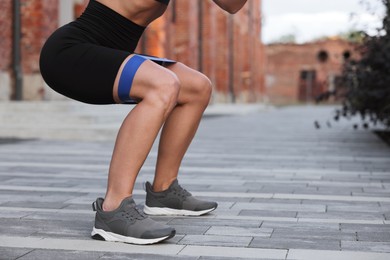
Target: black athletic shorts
column 81, row 59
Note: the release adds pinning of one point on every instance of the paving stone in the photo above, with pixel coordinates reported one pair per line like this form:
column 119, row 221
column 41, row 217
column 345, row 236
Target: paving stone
column 307, row 190
column 17, row 230
column 77, row 206
column 342, row 215
column 279, row 207
column 380, row 247
column 275, row 201
column 384, row 207
column 307, row 254
column 301, row 226
column 42, row 197
column 14, row 214
column 214, row 240
column 215, row 222
column 190, row 229
column 38, row 182
column 60, row 216
column 67, row 233
column 338, row 191
column 40, row 254
column 342, row 204
column 23, row 227
column 364, row 228
column 234, row 252
column 278, row 188
column 267, row 213
column 3, row 179
column 371, row 194
column 174, row 240
column 220, row 199
column 298, row 243
column 375, row 189
column 35, row 204
column 229, row 258
column 225, row 205
column 121, row 256
column 227, row 188
column 238, row 231
column 316, row 235
column 226, row 213
column 7, row 253
column 378, row 236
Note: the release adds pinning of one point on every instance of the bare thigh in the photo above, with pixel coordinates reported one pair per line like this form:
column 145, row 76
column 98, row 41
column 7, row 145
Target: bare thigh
column 148, row 77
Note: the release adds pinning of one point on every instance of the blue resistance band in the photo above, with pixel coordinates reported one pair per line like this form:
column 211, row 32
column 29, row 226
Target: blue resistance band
column 127, row 77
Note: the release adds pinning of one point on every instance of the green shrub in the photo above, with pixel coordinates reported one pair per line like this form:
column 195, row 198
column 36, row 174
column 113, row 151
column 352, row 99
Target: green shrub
column 365, row 84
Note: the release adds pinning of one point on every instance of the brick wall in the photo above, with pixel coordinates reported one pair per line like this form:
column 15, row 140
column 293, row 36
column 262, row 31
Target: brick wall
column 5, row 48
column 5, row 34
column 39, row 19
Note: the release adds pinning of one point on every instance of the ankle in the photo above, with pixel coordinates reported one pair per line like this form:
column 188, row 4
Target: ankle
column 111, row 203
column 160, row 186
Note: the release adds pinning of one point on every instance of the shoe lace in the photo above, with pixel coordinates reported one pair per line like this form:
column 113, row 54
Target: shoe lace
column 134, row 214
column 181, row 192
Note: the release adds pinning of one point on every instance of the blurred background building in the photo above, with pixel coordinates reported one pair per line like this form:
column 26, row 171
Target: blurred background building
column 301, row 72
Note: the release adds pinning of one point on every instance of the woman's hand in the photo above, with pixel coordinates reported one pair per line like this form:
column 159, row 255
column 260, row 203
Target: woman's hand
column 230, row 6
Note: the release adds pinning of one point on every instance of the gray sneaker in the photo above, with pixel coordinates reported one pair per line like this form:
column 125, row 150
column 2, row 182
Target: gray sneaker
column 175, row 201
column 128, row 224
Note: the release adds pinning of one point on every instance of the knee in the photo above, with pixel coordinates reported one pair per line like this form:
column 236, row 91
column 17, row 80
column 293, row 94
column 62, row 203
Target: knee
column 165, row 92
column 202, row 89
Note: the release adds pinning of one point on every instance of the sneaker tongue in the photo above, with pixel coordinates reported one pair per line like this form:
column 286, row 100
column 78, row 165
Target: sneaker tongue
column 175, row 185
column 128, row 203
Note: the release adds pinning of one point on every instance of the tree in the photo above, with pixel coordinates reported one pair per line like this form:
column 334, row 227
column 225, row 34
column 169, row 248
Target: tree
column 365, row 84
column 354, row 36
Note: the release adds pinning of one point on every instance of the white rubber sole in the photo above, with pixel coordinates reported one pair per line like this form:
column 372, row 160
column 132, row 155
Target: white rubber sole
column 112, row 237
column 155, row 211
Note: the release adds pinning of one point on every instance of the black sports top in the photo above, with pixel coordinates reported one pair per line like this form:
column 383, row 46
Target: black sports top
column 166, row 2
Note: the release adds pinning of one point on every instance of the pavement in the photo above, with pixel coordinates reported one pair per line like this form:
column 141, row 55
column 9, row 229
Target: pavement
column 285, row 189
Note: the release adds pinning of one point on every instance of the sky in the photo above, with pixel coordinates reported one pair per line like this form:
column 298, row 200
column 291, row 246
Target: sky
column 311, row 19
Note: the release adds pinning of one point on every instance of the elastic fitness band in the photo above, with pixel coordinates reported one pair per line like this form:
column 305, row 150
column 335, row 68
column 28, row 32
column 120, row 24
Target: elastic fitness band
column 127, row 77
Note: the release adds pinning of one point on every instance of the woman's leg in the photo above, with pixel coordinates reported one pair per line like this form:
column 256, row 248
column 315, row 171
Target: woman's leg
column 135, row 138
column 181, row 124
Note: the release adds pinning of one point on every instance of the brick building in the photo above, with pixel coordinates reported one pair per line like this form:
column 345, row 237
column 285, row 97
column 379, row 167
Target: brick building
column 227, row 48
column 300, row 72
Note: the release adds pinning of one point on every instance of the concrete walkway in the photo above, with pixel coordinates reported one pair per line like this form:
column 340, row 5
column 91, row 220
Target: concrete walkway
column 285, row 190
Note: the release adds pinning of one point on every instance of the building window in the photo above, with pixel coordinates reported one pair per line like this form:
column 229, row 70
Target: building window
column 346, row 55
column 322, row 56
